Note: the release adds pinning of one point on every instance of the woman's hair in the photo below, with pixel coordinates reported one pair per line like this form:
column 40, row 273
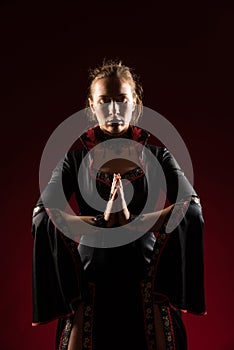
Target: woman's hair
column 115, row 69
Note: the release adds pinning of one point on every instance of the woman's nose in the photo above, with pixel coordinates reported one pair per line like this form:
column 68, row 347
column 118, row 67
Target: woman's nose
column 113, row 107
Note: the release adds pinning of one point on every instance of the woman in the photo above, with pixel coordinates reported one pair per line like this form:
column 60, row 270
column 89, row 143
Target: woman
column 125, row 294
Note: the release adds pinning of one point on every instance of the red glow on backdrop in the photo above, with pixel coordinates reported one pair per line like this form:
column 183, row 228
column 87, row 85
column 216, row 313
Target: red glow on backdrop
column 185, row 78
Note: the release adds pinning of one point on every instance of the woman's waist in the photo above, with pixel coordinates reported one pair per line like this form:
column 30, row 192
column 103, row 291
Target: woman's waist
column 127, row 261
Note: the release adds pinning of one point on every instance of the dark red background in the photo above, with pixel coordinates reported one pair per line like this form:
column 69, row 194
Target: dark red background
column 184, row 57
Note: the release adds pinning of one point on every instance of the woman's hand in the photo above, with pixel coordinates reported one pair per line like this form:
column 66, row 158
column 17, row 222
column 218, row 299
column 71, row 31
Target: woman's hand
column 116, row 212
column 123, row 213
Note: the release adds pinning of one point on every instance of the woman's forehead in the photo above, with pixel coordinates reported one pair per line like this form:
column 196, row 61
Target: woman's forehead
column 111, row 86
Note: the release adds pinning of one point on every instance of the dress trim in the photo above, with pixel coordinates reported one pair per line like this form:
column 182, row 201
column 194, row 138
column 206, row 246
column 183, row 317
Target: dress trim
column 168, row 327
column 86, row 325
column 65, row 336
column 148, row 300
column 130, row 175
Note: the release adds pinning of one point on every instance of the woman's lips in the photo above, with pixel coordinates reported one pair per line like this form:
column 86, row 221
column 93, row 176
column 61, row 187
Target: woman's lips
column 115, row 122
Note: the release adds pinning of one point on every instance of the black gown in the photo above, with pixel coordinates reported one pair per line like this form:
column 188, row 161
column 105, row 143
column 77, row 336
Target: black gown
column 130, row 296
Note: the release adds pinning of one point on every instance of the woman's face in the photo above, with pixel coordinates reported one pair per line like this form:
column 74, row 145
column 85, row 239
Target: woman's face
column 112, row 102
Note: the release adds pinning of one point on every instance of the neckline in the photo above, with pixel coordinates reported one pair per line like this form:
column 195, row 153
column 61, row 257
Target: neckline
column 129, row 175
column 125, row 173
column 95, row 135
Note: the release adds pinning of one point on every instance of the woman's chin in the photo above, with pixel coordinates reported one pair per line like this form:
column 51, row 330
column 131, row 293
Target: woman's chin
column 115, row 128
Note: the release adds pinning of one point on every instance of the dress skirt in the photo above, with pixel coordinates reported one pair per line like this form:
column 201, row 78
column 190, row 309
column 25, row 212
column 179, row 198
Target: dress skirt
column 119, row 311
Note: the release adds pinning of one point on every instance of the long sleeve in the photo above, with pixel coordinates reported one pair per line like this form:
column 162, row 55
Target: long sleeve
column 180, row 271
column 57, row 273
column 178, row 186
column 60, row 187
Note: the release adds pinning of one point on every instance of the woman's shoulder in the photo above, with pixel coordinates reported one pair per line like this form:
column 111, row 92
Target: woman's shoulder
column 75, row 156
column 158, row 151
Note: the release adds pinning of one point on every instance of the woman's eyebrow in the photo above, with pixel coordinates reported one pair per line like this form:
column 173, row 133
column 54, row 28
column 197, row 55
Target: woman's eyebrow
column 122, row 94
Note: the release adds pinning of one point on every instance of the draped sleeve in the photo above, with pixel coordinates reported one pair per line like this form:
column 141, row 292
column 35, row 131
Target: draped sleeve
column 180, row 271
column 57, row 272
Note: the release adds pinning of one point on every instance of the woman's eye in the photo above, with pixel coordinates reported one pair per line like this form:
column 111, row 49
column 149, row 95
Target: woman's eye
column 101, row 101
column 104, row 100
column 122, row 99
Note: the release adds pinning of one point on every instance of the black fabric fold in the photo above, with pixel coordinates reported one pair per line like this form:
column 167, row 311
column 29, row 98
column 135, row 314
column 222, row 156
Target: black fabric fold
column 180, row 272
column 57, row 273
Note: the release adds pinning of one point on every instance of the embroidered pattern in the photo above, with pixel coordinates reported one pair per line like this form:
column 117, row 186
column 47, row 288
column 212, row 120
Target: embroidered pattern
column 130, row 175
column 147, row 294
column 87, row 328
column 148, row 314
column 66, row 335
column 168, row 327
column 87, row 325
